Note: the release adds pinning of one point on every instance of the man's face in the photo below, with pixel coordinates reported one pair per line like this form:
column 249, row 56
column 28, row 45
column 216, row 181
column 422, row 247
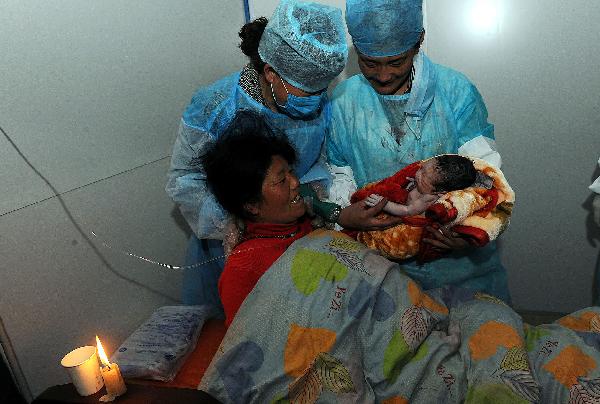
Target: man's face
column 388, row 75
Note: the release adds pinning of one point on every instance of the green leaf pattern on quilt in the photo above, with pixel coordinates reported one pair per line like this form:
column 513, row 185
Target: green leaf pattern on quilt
column 280, row 399
column 421, row 352
column 415, row 325
column 516, row 374
column 515, row 359
column 310, row 267
column 345, row 244
column 493, row 393
column 397, row 354
column 345, row 251
column 522, row 383
column 325, row 373
column 532, row 335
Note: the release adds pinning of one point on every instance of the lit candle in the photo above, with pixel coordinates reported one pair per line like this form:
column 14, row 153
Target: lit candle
column 115, row 386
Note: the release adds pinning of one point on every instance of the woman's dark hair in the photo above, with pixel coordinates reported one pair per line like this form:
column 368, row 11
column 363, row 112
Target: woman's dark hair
column 237, row 163
column 456, row 172
column 251, row 34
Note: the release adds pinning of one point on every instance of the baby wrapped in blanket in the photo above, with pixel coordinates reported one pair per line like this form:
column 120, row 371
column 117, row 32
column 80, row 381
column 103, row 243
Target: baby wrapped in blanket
column 430, row 193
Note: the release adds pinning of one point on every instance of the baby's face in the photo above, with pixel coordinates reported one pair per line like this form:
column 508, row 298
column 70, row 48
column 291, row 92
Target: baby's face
column 427, row 177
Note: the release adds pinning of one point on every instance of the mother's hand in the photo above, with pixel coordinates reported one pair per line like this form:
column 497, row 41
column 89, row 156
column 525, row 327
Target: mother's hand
column 445, row 239
column 359, row 216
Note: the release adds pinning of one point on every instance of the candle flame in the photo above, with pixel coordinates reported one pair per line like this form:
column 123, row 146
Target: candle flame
column 101, row 353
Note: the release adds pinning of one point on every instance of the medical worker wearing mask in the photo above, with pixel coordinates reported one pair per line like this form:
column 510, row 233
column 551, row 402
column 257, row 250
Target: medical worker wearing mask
column 404, row 108
column 293, row 58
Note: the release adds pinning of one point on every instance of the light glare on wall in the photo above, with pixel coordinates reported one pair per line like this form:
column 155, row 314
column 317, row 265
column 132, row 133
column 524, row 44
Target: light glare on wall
column 484, row 17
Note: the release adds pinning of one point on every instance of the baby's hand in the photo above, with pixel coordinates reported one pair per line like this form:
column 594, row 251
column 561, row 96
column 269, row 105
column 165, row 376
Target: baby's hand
column 418, row 205
column 373, row 200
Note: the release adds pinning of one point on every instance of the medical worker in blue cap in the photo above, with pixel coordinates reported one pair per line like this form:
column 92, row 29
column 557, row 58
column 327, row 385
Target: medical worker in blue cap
column 293, row 59
column 404, row 108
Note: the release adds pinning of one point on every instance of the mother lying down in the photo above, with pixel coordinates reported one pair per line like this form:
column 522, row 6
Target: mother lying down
column 317, row 317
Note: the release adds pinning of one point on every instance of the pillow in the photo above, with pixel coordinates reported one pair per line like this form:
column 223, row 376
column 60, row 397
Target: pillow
column 160, row 346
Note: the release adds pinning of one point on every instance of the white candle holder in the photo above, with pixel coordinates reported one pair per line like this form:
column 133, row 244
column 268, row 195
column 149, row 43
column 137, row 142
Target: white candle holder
column 83, row 368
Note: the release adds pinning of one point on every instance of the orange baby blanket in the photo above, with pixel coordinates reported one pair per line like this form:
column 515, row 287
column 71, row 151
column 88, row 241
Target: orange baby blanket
column 477, row 213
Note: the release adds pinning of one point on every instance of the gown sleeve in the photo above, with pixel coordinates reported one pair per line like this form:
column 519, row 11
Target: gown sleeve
column 187, row 186
column 475, row 133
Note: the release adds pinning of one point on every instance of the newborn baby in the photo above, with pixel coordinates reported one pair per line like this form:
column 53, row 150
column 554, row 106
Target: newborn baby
column 475, row 201
column 414, row 188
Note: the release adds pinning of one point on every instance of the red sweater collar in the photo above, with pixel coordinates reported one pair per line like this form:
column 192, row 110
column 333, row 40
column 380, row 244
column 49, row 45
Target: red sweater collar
column 275, row 230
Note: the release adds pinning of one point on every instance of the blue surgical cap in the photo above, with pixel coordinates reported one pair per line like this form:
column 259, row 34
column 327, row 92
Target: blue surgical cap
column 305, row 43
column 384, row 27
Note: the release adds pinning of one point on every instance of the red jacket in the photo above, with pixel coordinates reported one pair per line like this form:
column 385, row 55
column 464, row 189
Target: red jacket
column 263, row 244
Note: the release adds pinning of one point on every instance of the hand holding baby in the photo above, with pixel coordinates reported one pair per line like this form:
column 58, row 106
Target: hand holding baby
column 416, row 203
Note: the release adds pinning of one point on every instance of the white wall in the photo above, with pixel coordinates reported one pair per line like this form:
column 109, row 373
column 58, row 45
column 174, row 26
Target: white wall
column 538, row 72
column 92, row 93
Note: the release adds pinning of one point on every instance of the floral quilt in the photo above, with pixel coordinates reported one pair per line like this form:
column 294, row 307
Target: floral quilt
column 333, row 321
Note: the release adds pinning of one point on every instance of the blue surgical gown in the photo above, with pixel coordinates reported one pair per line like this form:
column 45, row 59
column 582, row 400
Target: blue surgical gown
column 211, row 110
column 442, row 112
